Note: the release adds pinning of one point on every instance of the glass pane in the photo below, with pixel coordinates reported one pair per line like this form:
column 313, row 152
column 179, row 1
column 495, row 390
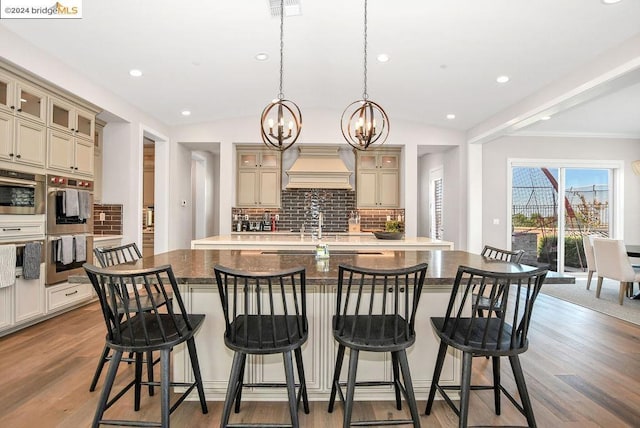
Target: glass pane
column 4, row 92
column 269, row 160
column 30, row 103
column 60, row 116
column 367, row 161
column 388, row 161
column 586, row 212
column 84, row 125
column 248, row 160
column 534, row 215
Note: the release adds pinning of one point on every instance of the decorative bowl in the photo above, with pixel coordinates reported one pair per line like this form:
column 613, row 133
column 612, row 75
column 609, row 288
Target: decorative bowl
column 388, row 235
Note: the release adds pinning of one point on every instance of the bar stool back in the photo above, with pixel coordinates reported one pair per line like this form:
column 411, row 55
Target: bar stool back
column 375, row 312
column 265, row 313
column 136, row 322
column 497, row 336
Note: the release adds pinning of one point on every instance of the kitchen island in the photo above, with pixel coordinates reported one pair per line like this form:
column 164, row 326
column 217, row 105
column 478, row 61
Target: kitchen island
column 194, row 272
column 339, row 241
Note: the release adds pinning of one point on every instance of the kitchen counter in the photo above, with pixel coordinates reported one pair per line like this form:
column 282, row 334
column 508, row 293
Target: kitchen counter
column 289, row 241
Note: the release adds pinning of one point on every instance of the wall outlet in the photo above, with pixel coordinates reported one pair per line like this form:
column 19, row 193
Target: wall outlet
column 496, row 221
column 102, row 217
column 388, row 218
column 246, row 216
column 277, row 217
column 235, row 217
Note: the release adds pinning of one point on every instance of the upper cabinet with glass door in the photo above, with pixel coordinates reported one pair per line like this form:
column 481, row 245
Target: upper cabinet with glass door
column 22, row 99
column 69, row 118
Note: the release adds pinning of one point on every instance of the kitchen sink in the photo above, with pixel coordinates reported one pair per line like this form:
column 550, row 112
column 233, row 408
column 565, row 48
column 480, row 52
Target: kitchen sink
column 331, row 251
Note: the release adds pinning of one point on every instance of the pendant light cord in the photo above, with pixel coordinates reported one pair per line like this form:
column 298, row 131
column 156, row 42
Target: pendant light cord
column 281, row 93
column 364, row 94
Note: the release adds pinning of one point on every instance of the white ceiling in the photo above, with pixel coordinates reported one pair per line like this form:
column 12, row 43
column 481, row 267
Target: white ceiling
column 445, row 56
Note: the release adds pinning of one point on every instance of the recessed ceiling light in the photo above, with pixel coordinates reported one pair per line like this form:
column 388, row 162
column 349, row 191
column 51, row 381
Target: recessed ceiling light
column 262, row 56
column 610, row 1
column 185, row 113
column 383, row 58
column 502, row 79
column 451, row 116
column 545, row 118
column 135, row 72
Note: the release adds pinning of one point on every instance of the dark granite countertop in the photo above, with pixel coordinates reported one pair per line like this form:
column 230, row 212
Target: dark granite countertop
column 196, row 266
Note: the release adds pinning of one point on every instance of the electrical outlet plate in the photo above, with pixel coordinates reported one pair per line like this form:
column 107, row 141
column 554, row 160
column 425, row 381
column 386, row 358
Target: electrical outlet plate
column 102, row 217
column 277, row 217
column 246, row 216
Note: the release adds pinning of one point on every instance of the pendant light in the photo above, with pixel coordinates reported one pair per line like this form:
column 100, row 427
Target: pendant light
column 364, row 122
column 283, row 129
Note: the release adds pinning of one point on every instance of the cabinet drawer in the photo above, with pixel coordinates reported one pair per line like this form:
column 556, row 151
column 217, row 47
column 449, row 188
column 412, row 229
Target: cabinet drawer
column 14, row 230
column 60, row 296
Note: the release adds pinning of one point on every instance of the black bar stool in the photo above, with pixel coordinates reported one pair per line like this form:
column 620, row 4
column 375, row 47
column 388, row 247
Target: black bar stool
column 375, row 312
column 114, row 256
column 265, row 313
column 482, row 302
column 496, row 336
column 138, row 322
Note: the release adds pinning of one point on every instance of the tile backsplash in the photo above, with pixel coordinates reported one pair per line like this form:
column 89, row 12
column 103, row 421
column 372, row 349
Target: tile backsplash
column 112, row 223
column 302, row 206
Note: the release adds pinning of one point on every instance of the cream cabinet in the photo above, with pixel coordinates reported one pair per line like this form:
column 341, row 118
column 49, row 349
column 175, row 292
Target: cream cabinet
column 22, row 141
column 6, row 307
column 67, row 153
column 378, row 178
column 97, row 161
column 29, row 298
column 259, row 176
column 67, row 117
column 21, row 99
column 65, row 295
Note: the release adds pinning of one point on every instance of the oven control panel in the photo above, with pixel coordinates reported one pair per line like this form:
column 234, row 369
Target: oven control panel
column 69, row 183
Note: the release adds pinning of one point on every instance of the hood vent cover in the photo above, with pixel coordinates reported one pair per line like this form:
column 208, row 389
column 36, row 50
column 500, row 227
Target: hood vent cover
column 319, row 167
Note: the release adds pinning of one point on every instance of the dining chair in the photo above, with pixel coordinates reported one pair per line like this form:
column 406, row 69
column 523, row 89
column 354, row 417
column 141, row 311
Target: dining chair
column 376, row 312
column 587, row 243
column 493, row 336
column 139, row 323
column 265, row 313
column 613, row 262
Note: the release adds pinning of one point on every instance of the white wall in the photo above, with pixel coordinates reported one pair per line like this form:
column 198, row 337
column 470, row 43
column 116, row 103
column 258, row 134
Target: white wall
column 494, row 182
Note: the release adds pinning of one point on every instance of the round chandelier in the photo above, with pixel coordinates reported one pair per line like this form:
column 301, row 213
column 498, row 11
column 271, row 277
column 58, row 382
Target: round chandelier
column 364, row 122
column 281, row 120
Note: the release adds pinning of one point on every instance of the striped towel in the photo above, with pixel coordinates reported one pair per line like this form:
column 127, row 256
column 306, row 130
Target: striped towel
column 31, row 260
column 7, row 265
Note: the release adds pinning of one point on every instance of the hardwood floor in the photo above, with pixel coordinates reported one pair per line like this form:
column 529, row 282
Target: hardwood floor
column 582, row 369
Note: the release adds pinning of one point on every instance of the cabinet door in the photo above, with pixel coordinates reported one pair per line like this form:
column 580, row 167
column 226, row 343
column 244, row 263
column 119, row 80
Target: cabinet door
column 60, row 153
column 6, row 135
column 6, row 93
column 268, row 160
column 29, row 297
column 31, row 140
column 6, row 298
column 367, row 185
column 31, row 102
column 61, row 115
column 269, row 188
column 247, row 160
column 85, row 124
column 367, row 161
column 388, row 189
column 247, row 188
column 83, row 157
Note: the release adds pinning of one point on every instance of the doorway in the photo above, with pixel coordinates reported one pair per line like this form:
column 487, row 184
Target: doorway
column 148, row 197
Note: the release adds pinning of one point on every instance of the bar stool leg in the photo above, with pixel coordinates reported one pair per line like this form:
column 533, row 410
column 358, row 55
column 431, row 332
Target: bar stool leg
column 238, row 398
column 150, row 371
column 351, row 386
column 165, row 357
column 101, row 363
column 442, row 353
column 465, row 388
column 496, row 383
column 303, row 381
column 336, row 377
column 396, row 379
column 522, row 390
column 138, row 381
column 106, row 389
column 291, row 388
column 195, row 365
column 236, row 367
column 408, row 386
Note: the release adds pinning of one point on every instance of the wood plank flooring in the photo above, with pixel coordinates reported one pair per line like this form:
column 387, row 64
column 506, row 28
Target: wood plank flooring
column 582, row 370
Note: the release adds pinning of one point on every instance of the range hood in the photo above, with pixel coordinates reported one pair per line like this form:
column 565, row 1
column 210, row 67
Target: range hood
column 319, row 167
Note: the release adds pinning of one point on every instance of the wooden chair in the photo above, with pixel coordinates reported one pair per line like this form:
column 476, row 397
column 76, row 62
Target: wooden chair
column 612, row 262
column 136, row 322
column 587, row 244
column 492, row 336
column 265, row 313
column 375, row 312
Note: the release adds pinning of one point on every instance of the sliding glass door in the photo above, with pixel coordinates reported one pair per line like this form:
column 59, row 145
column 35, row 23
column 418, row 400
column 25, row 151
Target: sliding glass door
column 541, row 195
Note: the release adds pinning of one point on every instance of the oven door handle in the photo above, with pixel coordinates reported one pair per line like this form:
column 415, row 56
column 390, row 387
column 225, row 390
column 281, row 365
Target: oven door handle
column 23, row 183
column 11, row 229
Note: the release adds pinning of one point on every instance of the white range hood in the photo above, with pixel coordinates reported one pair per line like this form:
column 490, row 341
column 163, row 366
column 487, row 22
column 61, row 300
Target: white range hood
column 319, row 167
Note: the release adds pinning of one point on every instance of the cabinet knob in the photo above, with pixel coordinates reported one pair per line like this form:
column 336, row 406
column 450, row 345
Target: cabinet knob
column 20, row 110
column 12, row 107
column 72, row 129
column 10, row 155
column 71, row 167
column 75, row 167
column 18, row 156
